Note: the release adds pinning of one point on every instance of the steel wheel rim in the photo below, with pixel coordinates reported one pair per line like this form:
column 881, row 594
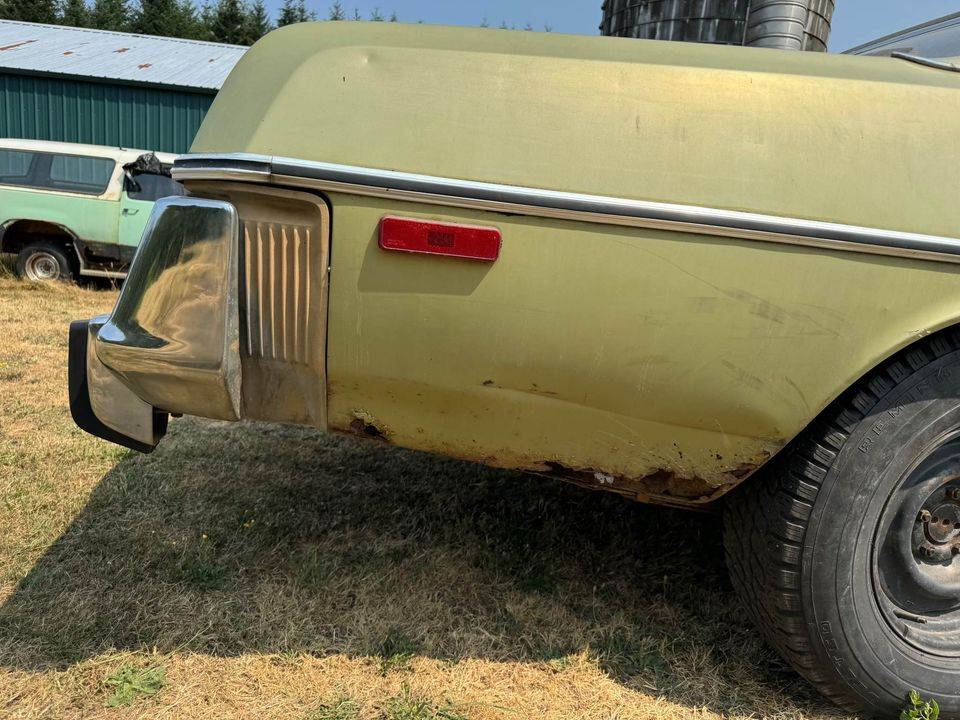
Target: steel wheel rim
column 42, row 266
column 916, row 559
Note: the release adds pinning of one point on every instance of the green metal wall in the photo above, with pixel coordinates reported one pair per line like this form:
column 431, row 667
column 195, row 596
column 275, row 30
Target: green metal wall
column 71, row 110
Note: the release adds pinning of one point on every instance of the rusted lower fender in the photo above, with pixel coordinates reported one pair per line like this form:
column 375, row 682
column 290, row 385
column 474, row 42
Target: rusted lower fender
column 614, row 454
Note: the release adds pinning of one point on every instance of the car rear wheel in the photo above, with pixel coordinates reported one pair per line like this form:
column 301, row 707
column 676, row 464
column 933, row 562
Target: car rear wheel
column 43, row 262
column 847, row 551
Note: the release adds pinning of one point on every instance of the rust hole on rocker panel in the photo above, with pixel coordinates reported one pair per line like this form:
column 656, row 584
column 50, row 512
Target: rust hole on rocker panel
column 366, row 426
column 663, row 485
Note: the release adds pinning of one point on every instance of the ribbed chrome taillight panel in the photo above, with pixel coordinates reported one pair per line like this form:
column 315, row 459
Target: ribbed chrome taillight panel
column 280, row 283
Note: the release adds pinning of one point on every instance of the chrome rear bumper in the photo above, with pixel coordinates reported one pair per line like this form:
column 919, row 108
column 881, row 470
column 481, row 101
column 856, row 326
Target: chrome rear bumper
column 171, row 344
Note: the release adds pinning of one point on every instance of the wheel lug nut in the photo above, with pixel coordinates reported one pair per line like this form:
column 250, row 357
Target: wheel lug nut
column 924, row 516
column 953, row 493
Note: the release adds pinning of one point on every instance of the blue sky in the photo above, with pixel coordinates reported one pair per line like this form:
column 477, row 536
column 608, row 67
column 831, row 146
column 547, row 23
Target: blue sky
column 856, row 21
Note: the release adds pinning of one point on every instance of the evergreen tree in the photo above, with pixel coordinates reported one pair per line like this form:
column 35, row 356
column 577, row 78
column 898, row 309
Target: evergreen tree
column 336, row 12
column 205, row 21
column 228, row 22
column 376, row 16
column 110, row 15
column 75, row 14
column 294, row 11
column 288, row 13
column 257, row 23
column 40, row 11
column 167, row 18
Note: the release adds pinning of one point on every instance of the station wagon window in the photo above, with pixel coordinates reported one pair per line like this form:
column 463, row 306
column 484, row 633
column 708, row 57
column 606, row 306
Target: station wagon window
column 54, row 171
column 80, row 174
column 152, row 187
column 14, row 165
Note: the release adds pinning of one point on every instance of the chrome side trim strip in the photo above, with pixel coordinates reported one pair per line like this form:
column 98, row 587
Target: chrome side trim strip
column 109, row 274
column 926, row 62
column 563, row 205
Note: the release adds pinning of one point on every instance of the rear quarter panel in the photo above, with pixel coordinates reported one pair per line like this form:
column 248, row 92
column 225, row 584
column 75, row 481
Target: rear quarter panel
column 657, row 363
column 671, row 363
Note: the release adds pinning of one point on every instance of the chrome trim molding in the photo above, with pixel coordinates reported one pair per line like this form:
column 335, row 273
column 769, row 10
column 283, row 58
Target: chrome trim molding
column 109, row 274
column 927, row 62
column 563, row 205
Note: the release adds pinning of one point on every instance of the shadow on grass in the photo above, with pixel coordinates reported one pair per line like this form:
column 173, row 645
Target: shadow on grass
column 265, row 539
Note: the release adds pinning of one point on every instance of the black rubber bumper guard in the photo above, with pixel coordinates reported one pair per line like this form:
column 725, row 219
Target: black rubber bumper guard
column 80, row 407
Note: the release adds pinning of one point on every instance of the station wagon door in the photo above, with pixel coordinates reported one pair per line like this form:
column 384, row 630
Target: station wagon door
column 136, row 202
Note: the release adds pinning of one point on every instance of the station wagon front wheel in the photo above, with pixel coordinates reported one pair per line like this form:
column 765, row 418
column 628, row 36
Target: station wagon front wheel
column 847, row 553
column 43, row 262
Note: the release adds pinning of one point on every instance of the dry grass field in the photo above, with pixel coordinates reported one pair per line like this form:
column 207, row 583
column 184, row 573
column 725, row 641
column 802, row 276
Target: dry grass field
column 258, row 571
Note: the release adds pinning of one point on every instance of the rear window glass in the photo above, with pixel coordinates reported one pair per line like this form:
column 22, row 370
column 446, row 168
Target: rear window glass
column 939, row 39
column 152, row 187
column 55, row 171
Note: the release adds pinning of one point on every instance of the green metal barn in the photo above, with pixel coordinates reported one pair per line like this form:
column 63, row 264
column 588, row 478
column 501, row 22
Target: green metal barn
column 107, row 88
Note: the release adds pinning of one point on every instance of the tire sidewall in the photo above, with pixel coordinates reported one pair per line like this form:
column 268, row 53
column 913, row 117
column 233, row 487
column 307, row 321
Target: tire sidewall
column 849, row 633
column 66, row 271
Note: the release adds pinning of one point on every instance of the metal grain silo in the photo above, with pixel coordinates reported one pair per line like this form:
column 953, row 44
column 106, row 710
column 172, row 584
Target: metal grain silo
column 707, row 21
column 784, row 24
column 789, row 24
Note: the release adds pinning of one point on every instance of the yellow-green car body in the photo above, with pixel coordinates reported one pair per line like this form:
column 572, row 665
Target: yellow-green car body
column 701, row 249
column 631, row 352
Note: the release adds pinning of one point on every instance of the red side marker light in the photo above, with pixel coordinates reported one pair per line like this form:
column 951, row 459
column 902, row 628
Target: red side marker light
column 436, row 238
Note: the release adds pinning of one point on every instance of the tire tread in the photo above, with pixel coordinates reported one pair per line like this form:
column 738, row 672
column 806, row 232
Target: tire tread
column 766, row 520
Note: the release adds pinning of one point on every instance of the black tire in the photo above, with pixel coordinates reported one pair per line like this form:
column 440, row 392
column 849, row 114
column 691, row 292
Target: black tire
column 834, row 550
column 44, row 262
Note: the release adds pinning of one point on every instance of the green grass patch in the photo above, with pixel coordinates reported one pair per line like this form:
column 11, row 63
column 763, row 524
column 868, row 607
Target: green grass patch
column 407, row 706
column 395, row 653
column 130, row 683
column 342, row 709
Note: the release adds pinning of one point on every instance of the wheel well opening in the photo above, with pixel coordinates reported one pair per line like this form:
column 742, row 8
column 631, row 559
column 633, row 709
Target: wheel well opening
column 917, row 352
column 21, row 233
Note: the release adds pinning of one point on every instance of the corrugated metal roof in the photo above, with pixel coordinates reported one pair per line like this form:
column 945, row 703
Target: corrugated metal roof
column 115, row 55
